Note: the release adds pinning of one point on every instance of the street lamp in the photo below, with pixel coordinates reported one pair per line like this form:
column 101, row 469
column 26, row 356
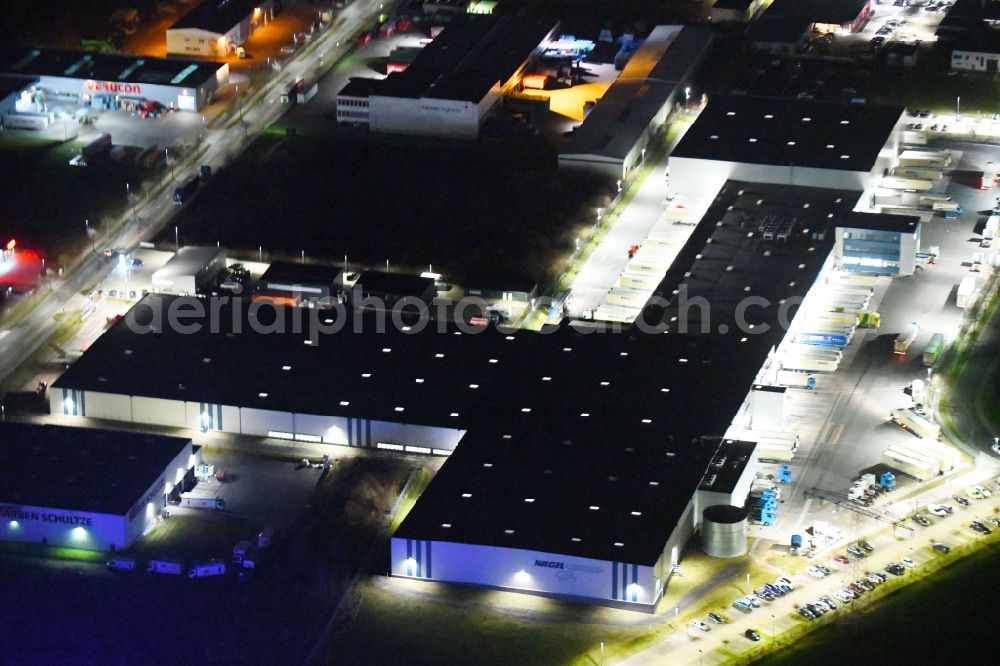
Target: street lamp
column 177, row 238
column 687, row 97
column 166, row 157
column 958, row 108
column 748, row 583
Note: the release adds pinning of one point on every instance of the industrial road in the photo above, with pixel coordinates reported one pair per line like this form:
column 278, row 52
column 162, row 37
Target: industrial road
column 145, row 220
column 689, row 645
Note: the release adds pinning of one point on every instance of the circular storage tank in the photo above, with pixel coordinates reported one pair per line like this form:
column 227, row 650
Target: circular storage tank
column 724, row 531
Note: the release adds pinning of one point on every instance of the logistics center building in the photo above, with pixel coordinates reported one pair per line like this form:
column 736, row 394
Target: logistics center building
column 86, row 488
column 176, row 84
column 580, row 463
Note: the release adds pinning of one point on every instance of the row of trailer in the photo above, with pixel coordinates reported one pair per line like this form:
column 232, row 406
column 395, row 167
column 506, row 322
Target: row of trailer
column 772, row 446
column 647, row 265
column 922, row 457
column 826, row 325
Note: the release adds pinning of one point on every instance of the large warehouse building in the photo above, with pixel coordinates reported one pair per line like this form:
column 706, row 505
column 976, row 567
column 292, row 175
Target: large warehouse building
column 86, row 488
column 580, row 464
column 216, row 27
column 784, row 24
column 176, row 84
column 451, row 86
column 614, row 136
column 789, row 142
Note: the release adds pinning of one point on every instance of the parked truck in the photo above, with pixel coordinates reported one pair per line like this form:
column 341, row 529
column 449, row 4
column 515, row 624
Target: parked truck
column 903, row 341
column 913, row 468
column 989, row 176
column 202, row 502
column 915, row 423
column 121, row 563
column 966, row 292
column 209, row 568
column 165, row 567
column 938, row 159
column 990, row 230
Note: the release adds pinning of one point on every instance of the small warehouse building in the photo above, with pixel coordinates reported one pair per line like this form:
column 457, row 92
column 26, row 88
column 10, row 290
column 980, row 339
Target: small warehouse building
column 454, row 83
column 785, row 24
column 189, row 270
column 787, row 142
column 506, row 287
column 83, row 487
column 880, row 243
column 88, row 76
column 735, row 11
column 294, row 283
column 382, row 290
column 216, row 27
column 614, row 135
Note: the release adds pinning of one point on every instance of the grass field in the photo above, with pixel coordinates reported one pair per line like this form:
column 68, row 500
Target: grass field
column 46, row 200
column 409, row 201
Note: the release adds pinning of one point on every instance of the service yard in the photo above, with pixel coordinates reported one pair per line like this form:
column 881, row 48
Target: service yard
column 324, row 524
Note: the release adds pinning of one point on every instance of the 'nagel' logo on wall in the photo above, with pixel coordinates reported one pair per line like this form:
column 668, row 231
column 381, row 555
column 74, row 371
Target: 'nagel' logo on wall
column 112, row 87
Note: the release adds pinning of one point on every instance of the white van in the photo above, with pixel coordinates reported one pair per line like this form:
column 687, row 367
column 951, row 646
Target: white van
column 121, row 563
column 210, row 568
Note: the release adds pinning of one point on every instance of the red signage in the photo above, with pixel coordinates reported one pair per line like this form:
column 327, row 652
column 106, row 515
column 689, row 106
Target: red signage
column 112, row 87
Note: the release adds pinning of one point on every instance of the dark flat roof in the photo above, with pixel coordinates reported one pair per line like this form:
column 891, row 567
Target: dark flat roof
column 904, row 224
column 10, row 85
column 728, row 465
column 498, row 281
column 428, row 375
column 777, row 131
column 571, row 419
column 742, row 5
column 78, row 64
column 292, row 272
column 396, row 284
column 216, row 15
column 788, row 20
column 620, row 421
column 470, row 56
column 80, row 469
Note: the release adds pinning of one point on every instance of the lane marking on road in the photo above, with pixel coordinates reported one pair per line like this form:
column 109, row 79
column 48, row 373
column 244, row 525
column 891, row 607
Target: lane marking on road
column 836, row 431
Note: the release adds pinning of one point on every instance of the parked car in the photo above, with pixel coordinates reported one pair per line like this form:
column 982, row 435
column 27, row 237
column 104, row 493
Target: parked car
column 826, row 571
column 807, row 614
column 784, row 580
column 881, row 576
column 716, row 618
column 752, row 600
column 844, row 596
column 855, row 551
column 829, row 602
column 942, row 548
column 895, row 569
column 866, row 546
column 908, row 563
column 741, row 605
column 873, row 579
column 983, row 490
column 936, row 510
column 921, row 520
column 962, row 501
column 856, row 589
column 864, row 585
column 752, row 634
column 842, row 559
column 815, row 610
column 698, row 624
column 814, row 571
column 979, row 527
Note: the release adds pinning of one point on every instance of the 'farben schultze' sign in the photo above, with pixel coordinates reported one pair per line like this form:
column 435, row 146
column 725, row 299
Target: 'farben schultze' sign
column 19, row 513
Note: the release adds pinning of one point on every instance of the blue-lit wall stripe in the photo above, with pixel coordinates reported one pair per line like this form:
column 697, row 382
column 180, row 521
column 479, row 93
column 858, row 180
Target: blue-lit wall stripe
column 428, row 558
column 635, row 579
column 614, row 580
column 83, row 403
column 350, row 438
column 368, row 432
column 219, row 420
